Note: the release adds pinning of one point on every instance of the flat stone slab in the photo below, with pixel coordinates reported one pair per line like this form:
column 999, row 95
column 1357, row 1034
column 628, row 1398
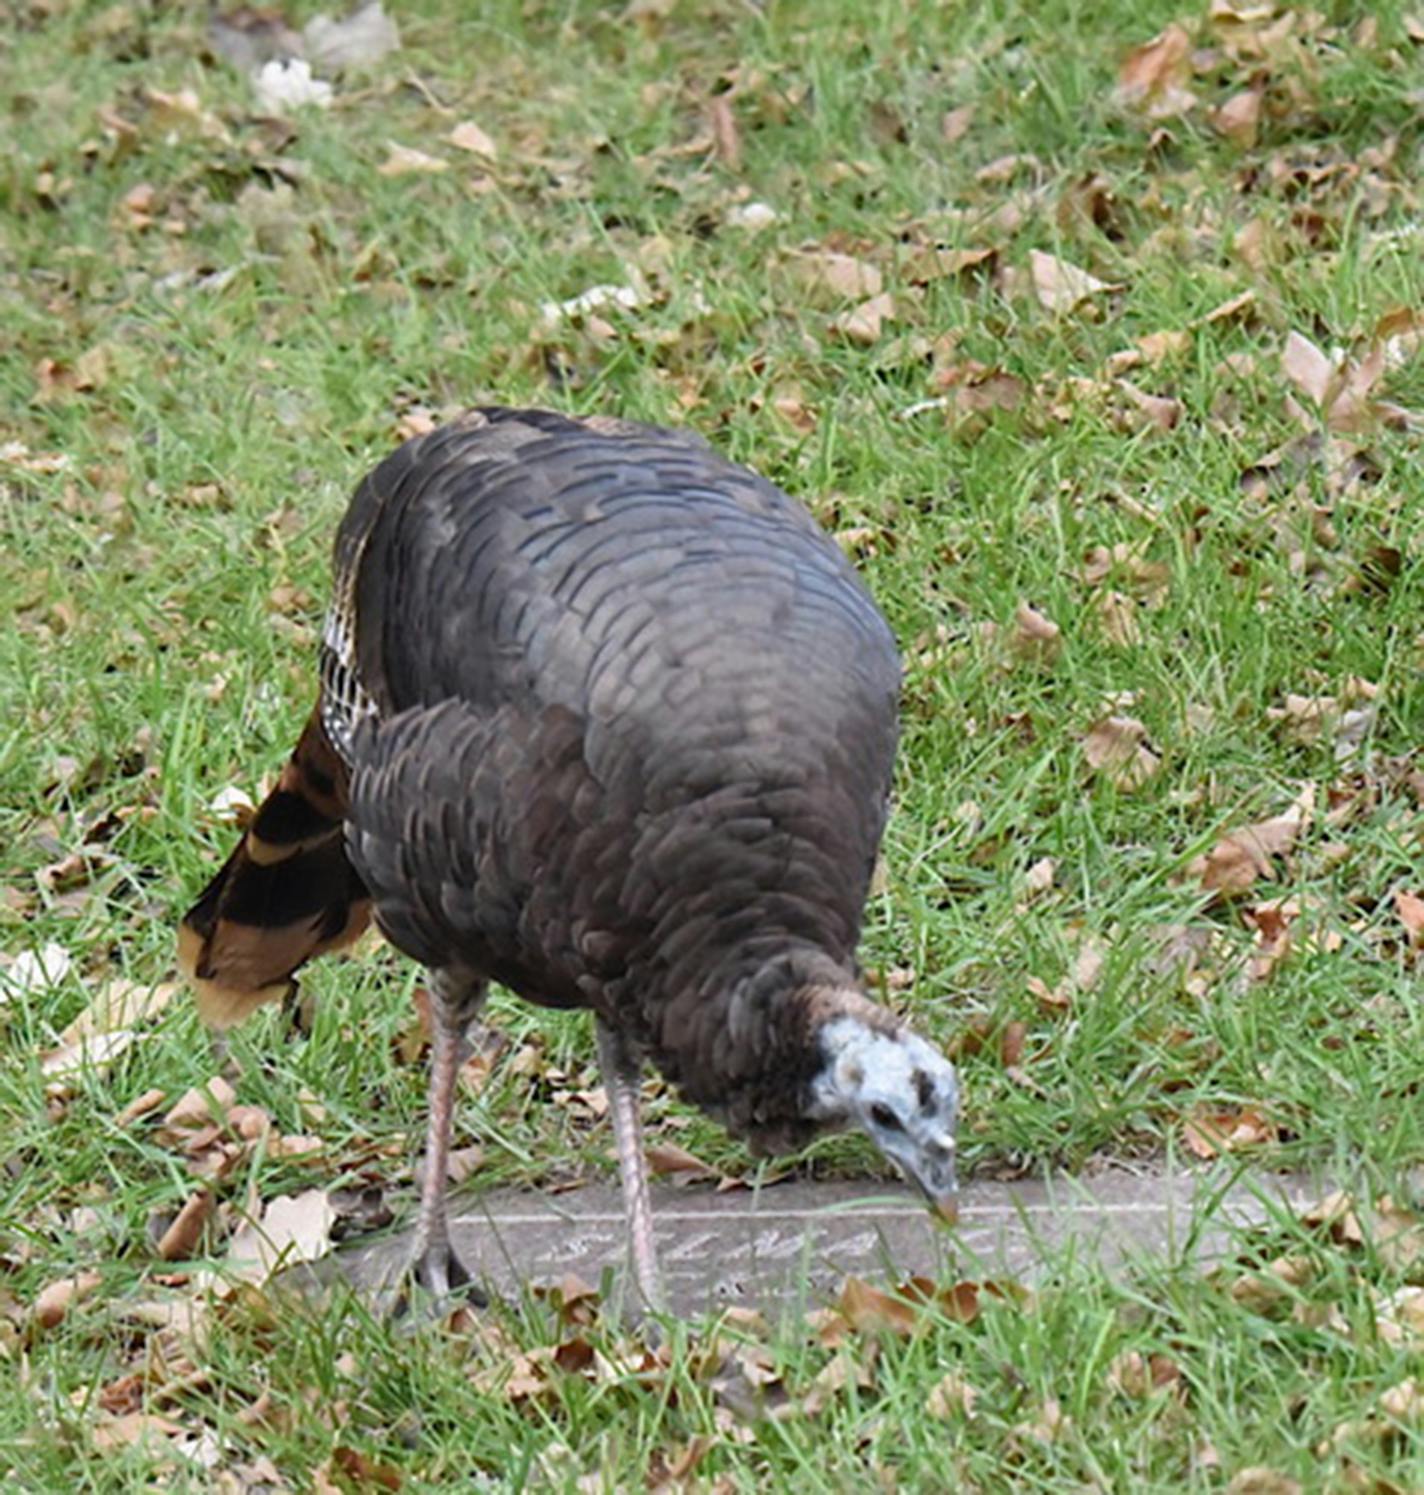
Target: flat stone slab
column 791, row 1244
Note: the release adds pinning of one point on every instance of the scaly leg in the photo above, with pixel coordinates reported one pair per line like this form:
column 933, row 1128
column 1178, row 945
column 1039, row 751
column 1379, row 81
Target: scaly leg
column 455, row 1002
column 622, row 1069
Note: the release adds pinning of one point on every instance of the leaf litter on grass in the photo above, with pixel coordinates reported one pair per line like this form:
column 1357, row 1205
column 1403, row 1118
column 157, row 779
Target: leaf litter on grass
column 1010, row 300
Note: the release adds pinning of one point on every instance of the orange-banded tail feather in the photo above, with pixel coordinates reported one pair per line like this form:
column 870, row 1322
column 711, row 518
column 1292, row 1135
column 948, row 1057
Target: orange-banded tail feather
column 287, row 892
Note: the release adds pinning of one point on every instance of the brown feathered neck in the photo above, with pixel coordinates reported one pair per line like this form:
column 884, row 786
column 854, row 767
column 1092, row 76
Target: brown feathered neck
column 753, row 1048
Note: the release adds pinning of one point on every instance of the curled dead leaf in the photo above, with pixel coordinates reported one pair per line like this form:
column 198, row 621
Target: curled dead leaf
column 951, row 1397
column 181, row 1238
column 863, row 323
column 831, row 273
column 1036, row 638
column 1239, row 118
column 1240, row 858
column 1117, row 747
column 405, row 160
column 1153, row 78
column 1061, row 286
column 55, row 1300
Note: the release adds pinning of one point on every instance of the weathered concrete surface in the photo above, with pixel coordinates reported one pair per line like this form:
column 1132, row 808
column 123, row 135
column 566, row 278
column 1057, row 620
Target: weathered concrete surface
column 791, row 1244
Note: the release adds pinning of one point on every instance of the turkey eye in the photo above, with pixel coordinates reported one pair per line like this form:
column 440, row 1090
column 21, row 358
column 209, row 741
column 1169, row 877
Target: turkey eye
column 885, row 1117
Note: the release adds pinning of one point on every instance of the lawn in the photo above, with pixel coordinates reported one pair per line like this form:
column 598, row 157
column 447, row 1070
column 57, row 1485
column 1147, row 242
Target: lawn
column 1093, row 333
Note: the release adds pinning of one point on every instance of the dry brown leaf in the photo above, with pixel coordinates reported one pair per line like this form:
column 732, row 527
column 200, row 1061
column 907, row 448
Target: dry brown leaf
column 118, row 1004
column 55, row 1300
column 1036, row 638
column 1257, row 1479
column 864, row 323
column 726, row 137
column 668, row 1160
column 293, row 1228
column 1308, row 368
column 140, row 1105
column 467, row 136
column 838, row 275
column 1039, row 877
column 867, row 1310
column 1153, row 77
column 1117, row 747
column 1117, row 613
column 955, row 123
column 1272, row 923
column 1157, row 411
column 1239, row 118
column 133, row 1429
column 951, row 1397
column 1050, row 1424
column 1137, row 1376
column 182, row 1236
column 1238, row 859
column 1061, row 286
column 1410, row 908
column 1208, row 1133
column 405, row 160
column 364, row 1473
column 929, row 264
column 196, row 1110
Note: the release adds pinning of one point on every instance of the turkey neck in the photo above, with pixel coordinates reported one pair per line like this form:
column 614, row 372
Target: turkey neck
column 740, row 1037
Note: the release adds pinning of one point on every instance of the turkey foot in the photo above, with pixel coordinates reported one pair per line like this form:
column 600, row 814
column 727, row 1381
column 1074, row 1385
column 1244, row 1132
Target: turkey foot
column 455, row 1002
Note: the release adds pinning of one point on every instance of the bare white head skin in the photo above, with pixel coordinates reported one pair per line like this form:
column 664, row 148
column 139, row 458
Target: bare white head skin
column 899, row 1090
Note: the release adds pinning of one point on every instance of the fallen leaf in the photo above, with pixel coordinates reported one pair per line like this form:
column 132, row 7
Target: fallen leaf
column 1138, row 1376
column 1060, row 286
column 181, row 1238
column 867, row 1310
column 863, row 323
column 1208, row 1133
column 726, row 138
column 55, row 1301
column 951, row 1397
column 1036, row 637
column 668, row 1160
column 954, row 124
column 1240, row 858
column 196, row 1110
column 1048, row 1426
column 405, row 160
column 468, row 136
column 835, row 274
column 1153, row 77
column 133, row 1430
column 1257, row 1479
column 1307, row 368
column 365, row 36
column 34, row 971
column 1272, row 923
column 1117, row 747
column 1410, row 908
column 1239, row 118
column 117, row 1004
column 1039, row 877
column 292, row 1228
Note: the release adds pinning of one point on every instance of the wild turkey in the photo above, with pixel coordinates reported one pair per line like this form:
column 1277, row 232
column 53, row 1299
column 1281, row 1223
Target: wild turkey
column 608, row 719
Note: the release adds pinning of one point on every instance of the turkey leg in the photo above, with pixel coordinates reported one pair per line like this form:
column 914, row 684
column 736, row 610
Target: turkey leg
column 622, row 1077
column 455, row 1002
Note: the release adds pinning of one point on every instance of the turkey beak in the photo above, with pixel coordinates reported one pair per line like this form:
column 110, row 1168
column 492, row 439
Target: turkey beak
column 938, row 1179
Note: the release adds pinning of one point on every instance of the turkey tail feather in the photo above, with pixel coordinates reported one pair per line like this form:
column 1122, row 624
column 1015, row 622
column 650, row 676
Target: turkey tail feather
column 287, row 893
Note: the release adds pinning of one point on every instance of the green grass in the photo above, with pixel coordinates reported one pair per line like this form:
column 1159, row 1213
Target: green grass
column 248, row 352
